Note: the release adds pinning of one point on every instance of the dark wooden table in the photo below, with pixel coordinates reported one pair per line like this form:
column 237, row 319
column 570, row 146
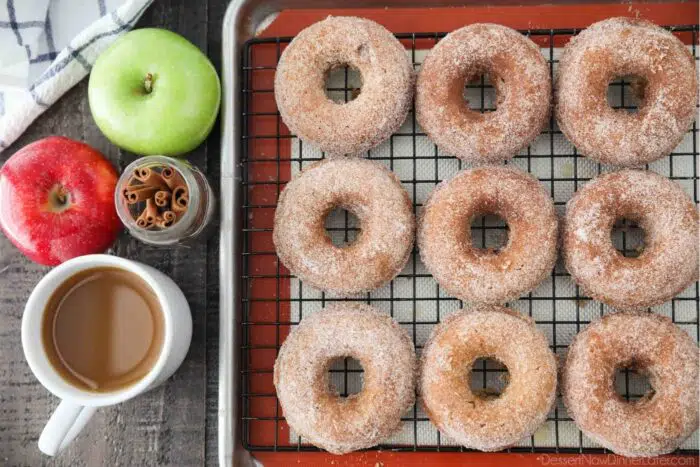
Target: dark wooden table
column 174, row 424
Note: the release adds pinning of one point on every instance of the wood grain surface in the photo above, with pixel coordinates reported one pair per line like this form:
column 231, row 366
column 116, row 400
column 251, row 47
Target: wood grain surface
column 174, row 424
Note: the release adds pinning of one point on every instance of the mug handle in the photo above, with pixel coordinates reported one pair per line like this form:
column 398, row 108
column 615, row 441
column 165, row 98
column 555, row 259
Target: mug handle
column 64, row 425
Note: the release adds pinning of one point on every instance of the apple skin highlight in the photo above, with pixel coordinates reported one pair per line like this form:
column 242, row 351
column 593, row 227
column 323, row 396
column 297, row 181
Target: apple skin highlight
column 57, row 200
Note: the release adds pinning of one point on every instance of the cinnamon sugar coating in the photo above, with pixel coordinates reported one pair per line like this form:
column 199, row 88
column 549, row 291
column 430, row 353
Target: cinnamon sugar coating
column 385, row 351
column 624, row 47
column 372, row 193
column 387, row 85
column 659, row 422
column 473, row 421
column 669, row 262
column 480, row 275
column 520, row 75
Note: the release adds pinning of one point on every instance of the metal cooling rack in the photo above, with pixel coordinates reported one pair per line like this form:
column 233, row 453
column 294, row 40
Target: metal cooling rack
column 268, row 306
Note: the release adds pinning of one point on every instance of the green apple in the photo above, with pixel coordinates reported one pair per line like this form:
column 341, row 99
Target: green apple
column 154, row 92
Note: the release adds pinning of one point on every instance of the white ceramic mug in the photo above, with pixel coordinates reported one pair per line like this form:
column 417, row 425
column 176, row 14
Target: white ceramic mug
column 78, row 405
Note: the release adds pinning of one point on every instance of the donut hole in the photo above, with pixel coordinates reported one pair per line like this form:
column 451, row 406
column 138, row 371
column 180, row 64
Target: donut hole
column 480, row 93
column 343, row 83
column 488, row 378
column 489, row 233
column 345, row 376
column 627, row 237
column 626, row 93
column 342, row 227
column 632, row 383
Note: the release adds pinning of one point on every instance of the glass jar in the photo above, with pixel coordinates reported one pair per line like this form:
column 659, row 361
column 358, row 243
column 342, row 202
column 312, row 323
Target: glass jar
column 193, row 221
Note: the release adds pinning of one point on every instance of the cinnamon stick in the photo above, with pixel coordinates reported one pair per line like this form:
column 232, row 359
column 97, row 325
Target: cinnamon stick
column 180, row 200
column 165, row 192
column 141, row 221
column 137, row 193
column 149, row 177
column 169, row 218
column 172, row 178
column 148, row 215
column 162, row 198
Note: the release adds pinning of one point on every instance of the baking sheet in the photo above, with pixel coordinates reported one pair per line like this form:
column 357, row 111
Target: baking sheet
column 261, row 308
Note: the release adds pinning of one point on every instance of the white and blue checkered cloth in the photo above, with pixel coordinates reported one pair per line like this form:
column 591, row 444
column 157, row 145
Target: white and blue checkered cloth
column 47, row 47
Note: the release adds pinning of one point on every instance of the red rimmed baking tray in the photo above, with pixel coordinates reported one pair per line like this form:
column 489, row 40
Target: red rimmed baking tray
column 261, row 301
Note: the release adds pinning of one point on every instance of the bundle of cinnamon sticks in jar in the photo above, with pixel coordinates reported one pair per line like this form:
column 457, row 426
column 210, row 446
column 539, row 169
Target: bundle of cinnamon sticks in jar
column 159, row 196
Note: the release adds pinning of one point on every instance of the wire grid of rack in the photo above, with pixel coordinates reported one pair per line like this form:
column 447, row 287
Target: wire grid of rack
column 270, row 310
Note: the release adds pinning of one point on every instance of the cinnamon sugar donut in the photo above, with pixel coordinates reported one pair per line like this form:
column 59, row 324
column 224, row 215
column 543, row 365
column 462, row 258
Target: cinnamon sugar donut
column 311, row 405
column 487, row 424
column 480, row 275
column 517, row 70
column 619, row 47
column 385, row 97
column 659, row 422
column 669, row 262
column 368, row 190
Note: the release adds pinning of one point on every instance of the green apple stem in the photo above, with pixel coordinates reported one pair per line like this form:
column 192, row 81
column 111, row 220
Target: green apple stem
column 148, row 83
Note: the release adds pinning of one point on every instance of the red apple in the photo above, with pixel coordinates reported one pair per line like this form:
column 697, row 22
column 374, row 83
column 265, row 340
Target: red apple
column 57, row 200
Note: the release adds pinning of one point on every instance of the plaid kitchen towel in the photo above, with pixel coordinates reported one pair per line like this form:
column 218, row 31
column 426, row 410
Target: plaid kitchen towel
column 48, row 46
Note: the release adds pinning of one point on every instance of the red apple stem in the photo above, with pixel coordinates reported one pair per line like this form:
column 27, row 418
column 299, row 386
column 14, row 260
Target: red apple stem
column 59, row 198
column 148, row 83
